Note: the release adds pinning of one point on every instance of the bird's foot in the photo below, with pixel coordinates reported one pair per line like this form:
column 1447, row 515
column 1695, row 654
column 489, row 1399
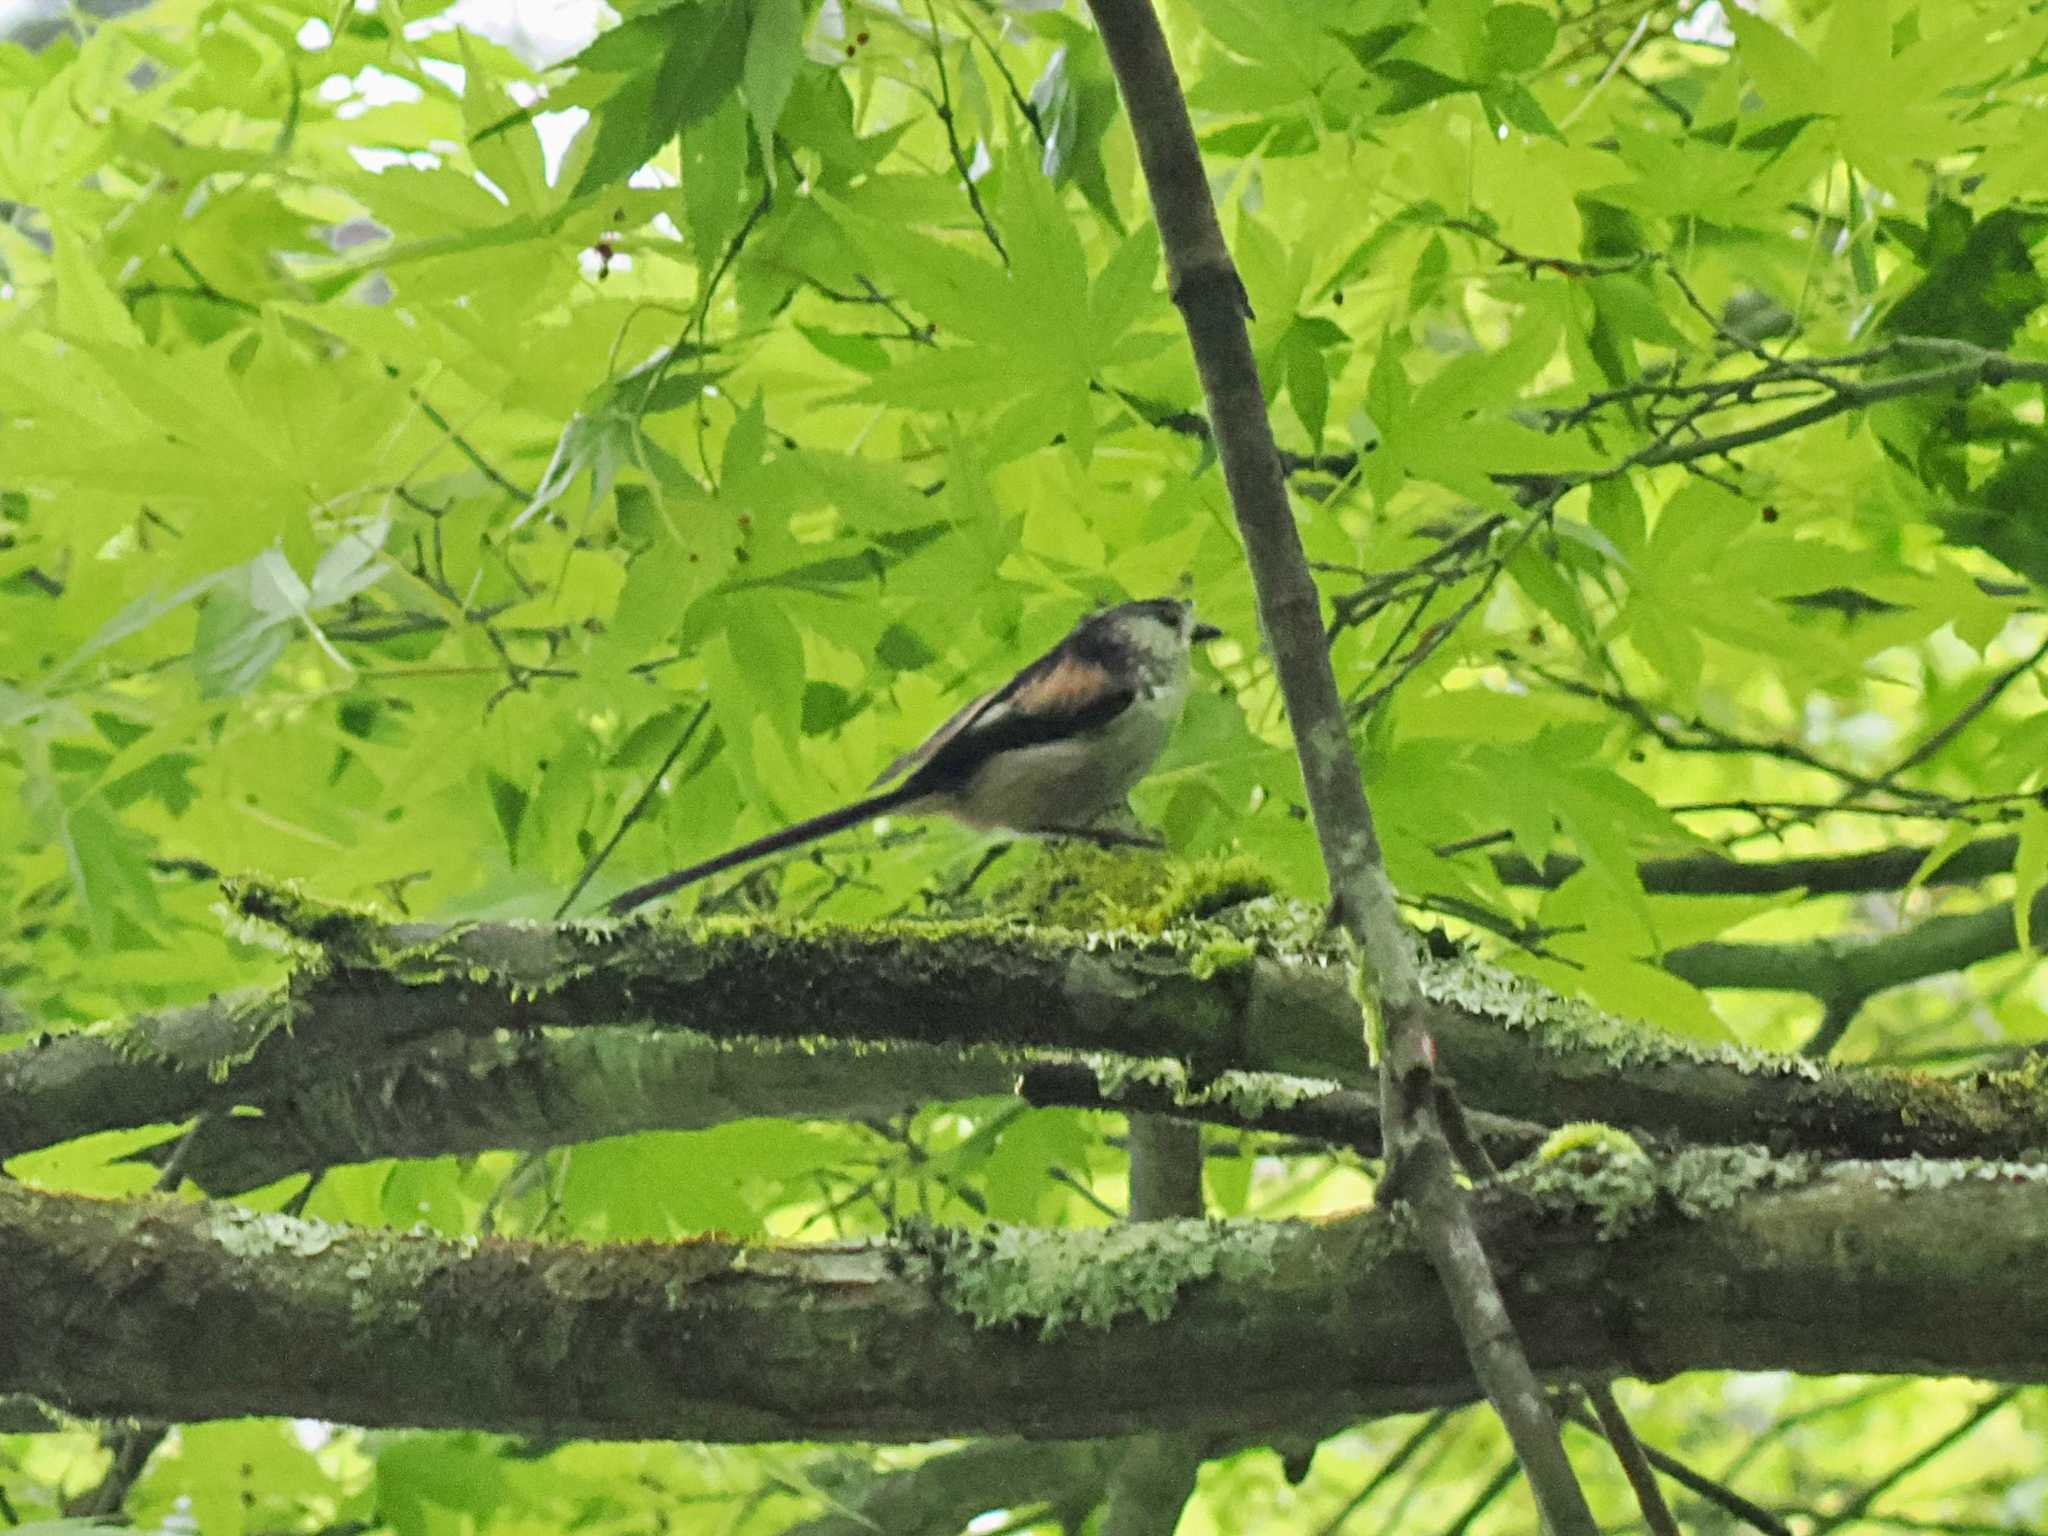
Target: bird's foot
column 1107, row 837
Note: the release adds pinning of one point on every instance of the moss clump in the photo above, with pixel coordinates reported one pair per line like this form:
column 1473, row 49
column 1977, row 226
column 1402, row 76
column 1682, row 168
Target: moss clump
column 1115, row 1074
column 1195, row 892
column 312, row 928
column 1597, row 1169
column 1132, row 890
column 1583, row 1135
column 1701, row 1181
column 1012, row 1275
column 213, row 1038
column 1078, row 886
column 1593, row 1169
column 1220, row 956
column 1251, row 1095
column 1466, row 982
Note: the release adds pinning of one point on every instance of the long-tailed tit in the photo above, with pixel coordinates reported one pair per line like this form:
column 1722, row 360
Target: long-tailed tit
column 1055, row 747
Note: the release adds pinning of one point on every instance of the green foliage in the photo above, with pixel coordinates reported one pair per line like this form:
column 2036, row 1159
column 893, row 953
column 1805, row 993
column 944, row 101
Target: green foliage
column 412, row 447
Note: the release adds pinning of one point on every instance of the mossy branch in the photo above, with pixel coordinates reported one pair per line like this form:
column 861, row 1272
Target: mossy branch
column 180, row 1312
column 528, row 1037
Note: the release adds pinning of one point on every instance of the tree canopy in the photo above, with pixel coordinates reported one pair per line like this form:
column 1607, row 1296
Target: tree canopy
column 450, row 473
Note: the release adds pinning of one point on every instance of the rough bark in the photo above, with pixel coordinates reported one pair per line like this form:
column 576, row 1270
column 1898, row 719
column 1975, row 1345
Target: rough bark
column 373, row 1049
column 179, row 1312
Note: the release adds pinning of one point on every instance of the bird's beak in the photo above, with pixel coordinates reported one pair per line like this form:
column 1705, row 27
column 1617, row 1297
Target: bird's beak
column 1203, row 632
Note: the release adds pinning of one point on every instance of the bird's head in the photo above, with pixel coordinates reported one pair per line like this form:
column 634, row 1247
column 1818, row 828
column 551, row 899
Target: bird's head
column 1153, row 626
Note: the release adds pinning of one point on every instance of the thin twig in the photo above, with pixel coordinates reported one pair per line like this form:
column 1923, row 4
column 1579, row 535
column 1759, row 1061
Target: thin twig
column 468, row 450
column 1635, row 1466
column 1018, row 99
column 174, row 1166
column 634, row 811
column 1080, row 1187
column 944, row 107
column 1856, row 1507
column 1964, row 717
column 1987, row 368
column 692, row 337
column 130, row 1447
column 1503, row 1478
column 1695, row 1482
column 1448, row 627
column 1658, row 94
column 1422, row 1434
column 1697, row 735
column 1786, row 1423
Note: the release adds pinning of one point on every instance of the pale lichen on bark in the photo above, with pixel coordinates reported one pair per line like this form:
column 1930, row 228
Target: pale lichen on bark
column 1053, row 1280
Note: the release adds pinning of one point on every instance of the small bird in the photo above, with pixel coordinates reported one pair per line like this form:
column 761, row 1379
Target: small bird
column 1052, row 749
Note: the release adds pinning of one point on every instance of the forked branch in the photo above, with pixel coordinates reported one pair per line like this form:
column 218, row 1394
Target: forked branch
column 1212, row 303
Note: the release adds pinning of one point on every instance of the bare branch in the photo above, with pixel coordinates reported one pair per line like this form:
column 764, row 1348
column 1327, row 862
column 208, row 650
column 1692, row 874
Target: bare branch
column 1403, row 1454
column 1856, row 1507
column 1833, row 969
column 1718, row 1494
column 1829, row 874
column 1321, row 1111
column 1635, row 1465
column 1211, row 298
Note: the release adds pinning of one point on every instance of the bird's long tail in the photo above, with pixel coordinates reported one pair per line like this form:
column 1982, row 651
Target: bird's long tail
column 761, row 847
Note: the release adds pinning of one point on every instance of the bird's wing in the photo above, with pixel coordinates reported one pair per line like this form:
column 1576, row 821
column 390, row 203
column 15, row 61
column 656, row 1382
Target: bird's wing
column 957, row 722
column 1057, row 696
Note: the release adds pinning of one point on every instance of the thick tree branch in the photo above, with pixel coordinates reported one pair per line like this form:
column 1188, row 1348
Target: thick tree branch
column 1852, row 970
column 493, row 1017
column 463, row 1094
column 182, row 1312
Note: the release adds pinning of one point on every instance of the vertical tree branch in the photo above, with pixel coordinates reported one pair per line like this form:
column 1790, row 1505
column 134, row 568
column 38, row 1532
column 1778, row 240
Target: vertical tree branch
column 1166, row 1168
column 130, row 1447
column 1211, row 298
column 1156, row 1477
